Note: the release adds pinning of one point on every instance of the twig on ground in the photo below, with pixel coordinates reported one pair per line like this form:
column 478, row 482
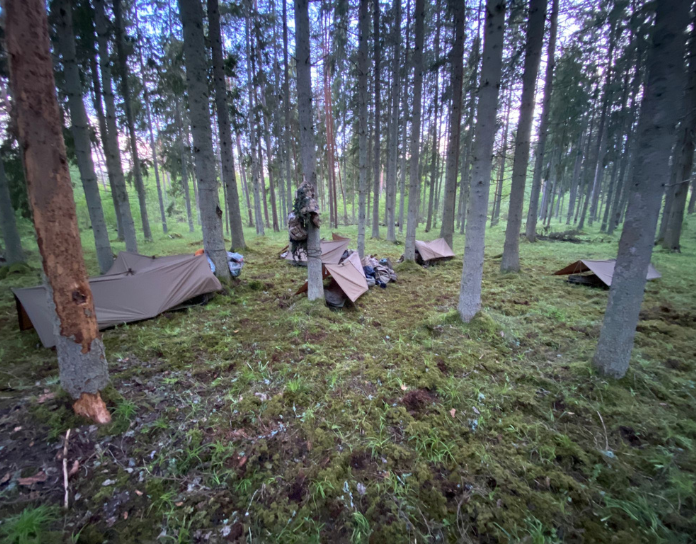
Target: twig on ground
column 606, row 437
column 65, row 469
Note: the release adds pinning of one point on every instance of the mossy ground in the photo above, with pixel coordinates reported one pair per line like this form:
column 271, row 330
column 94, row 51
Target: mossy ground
column 263, row 418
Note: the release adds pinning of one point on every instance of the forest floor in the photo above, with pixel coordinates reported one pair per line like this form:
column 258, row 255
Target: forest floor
column 262, row 418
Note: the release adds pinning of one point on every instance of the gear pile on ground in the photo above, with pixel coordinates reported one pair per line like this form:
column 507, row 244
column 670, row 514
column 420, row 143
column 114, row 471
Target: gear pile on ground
column 378, row 272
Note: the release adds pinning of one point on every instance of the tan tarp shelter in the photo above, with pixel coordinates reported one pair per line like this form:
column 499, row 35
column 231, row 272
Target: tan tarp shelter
column 604, row 270
column 331, row 251
column 136, row 287
column 432, row 251
column 348, row 275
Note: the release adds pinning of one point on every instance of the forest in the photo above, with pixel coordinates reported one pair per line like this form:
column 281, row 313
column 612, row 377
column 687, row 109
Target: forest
column 352, row 271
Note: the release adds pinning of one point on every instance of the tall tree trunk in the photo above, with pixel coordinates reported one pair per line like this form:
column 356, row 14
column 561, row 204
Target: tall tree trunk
column 404, row 145
column 414, row 178
column 576, row 176
column 657, row 120
column 229, row 177
column 286, row 103
column 184, row 169
column 8, row 223
column 255, row 167
column 435, row 151
column 498, row 195
column 195, row 60
column 377, row 162
column 594, row 187
column 472, row 272
column 363, row 67
column 97, row 102
column 685, row 148
column 530, row 230
column 455, row 123
column 315, row 286
column 510, row 261
column 81, row 360
column 80, row 132
column 245, row 186
column 130, row 121
column 393, row 150
column 111, row 135
column 161, row 195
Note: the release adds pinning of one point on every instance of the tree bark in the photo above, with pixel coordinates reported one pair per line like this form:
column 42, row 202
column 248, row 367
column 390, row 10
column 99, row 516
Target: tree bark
column 81, row 360
column 472, row 272
column 404, row 145
column 510, row 261
column 657, row 120
column 195, row 60
column 363, row 67
column 130, row 121
column 8, row 223
column 286, row 103
column 530, row 230
column 101, row 118
column 245, row 186
column 184, row 168
column 377, row 162
column 315, row 286
column 393, row 150
column 229, row 177
column 80, row 132
column 675, row 220
column 255, row 167
column 455, row 123
column 414, row 178
column 435, row 125
column 113, row 152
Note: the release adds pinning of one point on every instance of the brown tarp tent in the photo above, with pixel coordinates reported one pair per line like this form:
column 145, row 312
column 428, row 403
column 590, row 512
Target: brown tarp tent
column 604, row 270
column 331, row 251
column 135, row 288
column 348, row 275
column 435, row 250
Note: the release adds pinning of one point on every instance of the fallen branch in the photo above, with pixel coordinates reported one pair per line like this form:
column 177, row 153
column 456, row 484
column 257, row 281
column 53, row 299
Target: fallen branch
column 65, row 469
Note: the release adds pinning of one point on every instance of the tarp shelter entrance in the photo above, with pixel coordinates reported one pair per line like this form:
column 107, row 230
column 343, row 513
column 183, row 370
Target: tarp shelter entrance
column 437, row 250
column 602, row 272
column 135, row 288
column 348, row 276
column 331, row 251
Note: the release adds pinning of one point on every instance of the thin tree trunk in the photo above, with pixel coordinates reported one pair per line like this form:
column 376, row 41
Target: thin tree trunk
column 113, row 152
column 404, row 145
column 685, row 148
column 377, row 162
column 130, row 121
column 394, row 125
column 414, row 178
column 97, row 102
column 8, row 223
column 510, row 261
column 363, row 67
column 315, row 286
column 286, row 103
column 436, row 125
column 530, row 230
column 260, row 225
column 657, row 120
column 184, row 168
column 195, row 60
column 245, row 186
column 455, row 123
column 81, row 360
column 80, row 131
column 229, row 177
column 472, row 272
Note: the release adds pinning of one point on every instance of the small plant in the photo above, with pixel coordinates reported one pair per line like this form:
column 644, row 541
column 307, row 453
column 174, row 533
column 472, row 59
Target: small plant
column 361, row 529
column 28, row 527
